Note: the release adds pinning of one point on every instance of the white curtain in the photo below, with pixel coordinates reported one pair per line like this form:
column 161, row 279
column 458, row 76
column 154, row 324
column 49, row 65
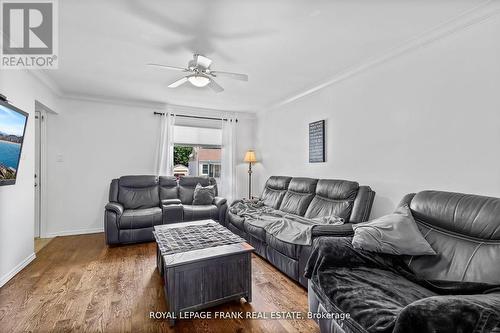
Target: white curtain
column 165, row 155
column 228, row 159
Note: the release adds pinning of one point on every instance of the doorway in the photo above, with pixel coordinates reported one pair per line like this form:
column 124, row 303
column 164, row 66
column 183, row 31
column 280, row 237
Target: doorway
column 38, row 167
column 40, row 188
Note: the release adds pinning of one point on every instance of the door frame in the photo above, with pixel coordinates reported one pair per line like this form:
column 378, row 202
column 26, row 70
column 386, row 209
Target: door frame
column 42, row 177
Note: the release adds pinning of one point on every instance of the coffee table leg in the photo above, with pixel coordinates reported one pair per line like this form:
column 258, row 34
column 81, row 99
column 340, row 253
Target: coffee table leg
column 248, row 297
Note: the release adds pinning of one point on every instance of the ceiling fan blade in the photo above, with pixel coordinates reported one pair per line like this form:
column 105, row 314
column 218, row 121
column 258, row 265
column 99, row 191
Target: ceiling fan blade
column 202, row 61
column 170, row 67
column 178, row 82
column 215, row 86
column 237, row 76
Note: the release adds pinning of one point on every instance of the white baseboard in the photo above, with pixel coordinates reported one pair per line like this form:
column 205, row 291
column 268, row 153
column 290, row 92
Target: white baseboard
column 73, row 232
column 4, row 279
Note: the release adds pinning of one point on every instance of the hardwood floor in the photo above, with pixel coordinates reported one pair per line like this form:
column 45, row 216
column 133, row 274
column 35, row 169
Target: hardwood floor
column 40, row 243
column 78, row 284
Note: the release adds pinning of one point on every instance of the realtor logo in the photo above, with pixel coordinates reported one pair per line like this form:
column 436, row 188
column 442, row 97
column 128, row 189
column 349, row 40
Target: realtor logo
column 29, row 39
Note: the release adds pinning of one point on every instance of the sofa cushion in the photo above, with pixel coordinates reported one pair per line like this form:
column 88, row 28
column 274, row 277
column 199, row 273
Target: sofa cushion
column 395, row 234
column 140, row 218
column 254, row 231
column 203, row 195
column 333, row 197
column 298, row 196
column 236, row 220
column 188, row 184
column 365, row 293
column 138, row 192
column 288, row 249
column 275, row 190
column 168, row 188
column 464, row 230
column 200, row 212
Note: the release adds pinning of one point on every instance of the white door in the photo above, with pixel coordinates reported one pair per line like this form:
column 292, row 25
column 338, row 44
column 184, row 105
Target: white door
column 38, row 141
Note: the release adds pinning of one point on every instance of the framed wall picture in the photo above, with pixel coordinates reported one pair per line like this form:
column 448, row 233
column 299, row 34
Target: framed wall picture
column 317, row 142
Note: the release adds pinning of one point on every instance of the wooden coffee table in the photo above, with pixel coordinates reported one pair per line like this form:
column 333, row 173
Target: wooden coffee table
column 198, row 279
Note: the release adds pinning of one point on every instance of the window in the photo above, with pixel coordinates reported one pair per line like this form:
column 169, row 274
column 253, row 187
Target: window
column 204, row 168
column 210, row 169
column 216, row 170
column 197, row 148
column 197, row 160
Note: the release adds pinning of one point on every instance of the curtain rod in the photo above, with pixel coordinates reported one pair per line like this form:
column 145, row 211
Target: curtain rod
column 195, row 117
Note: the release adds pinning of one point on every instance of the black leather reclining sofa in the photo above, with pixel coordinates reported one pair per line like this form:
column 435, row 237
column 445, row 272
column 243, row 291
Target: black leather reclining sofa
column 309, row 198
column 464, row 231
column 138, row 203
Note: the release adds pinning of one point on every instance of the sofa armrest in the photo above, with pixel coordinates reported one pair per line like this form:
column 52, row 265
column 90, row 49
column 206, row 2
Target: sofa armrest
column 337, row 230
column 235, row 202
column 218, row 201
column 362, row 206
column 166, row 202
column 254, row 199
column 332, row 251
column 451, row 313
column 172, row 213
column 112, row 213
column 115, row 207
column 406, row 201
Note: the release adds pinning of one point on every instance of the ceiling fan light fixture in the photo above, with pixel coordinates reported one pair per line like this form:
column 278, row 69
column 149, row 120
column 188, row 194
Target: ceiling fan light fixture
column 198, row 80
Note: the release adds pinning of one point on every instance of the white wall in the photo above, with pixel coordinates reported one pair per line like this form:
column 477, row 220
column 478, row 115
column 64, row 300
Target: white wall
column 90, row 144
column 246, row 139
column 17, row 201
column 429, row 119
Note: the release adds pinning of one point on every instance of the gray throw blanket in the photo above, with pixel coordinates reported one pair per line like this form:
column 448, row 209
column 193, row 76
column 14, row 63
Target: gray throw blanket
column 285, row 227
column 383, row 295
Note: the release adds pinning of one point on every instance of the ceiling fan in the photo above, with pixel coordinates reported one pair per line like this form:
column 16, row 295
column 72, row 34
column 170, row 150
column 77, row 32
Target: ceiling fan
column 200, row 74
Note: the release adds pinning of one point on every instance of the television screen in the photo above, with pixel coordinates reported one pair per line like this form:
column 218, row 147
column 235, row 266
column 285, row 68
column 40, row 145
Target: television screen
column 12, row 127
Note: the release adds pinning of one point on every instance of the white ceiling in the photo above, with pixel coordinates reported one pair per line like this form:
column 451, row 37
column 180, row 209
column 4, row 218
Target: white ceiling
column 284, row 46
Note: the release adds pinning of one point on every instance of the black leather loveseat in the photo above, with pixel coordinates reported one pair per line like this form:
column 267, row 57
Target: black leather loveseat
column 309, row 198
column 457, row 290
column 138, row 203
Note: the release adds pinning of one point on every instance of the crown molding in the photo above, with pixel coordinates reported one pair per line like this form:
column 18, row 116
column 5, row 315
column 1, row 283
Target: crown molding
column 47, row 81
column 156, row 106
column 471, row 17
column 116, row 101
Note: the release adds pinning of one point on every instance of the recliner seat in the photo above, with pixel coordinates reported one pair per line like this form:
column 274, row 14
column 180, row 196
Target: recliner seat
column 138, row 203
column 464, row 231
column 310, row 198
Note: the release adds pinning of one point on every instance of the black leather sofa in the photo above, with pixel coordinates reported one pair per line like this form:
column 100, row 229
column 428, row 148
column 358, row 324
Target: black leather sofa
column 138, row 203
column 463, row 229
column 310, row 198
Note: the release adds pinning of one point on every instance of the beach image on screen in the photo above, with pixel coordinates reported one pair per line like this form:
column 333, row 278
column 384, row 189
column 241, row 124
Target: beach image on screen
column 11, row 137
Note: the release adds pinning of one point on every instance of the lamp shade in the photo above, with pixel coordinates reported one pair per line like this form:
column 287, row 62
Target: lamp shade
column 250, row 157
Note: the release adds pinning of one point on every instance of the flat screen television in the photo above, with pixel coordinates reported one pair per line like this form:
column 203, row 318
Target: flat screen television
column 12, row 129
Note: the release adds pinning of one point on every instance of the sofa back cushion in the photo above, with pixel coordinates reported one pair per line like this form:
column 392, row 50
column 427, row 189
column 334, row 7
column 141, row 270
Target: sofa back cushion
column 298, row 196
column 137, row 192
column 333, row 197
column 113, row 190
column 187, row 185
column 168, row 188
column 275, row 190
column 464, row 230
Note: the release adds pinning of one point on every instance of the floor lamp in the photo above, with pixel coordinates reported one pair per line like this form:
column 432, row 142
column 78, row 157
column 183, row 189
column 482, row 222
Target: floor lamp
column 250, row 158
